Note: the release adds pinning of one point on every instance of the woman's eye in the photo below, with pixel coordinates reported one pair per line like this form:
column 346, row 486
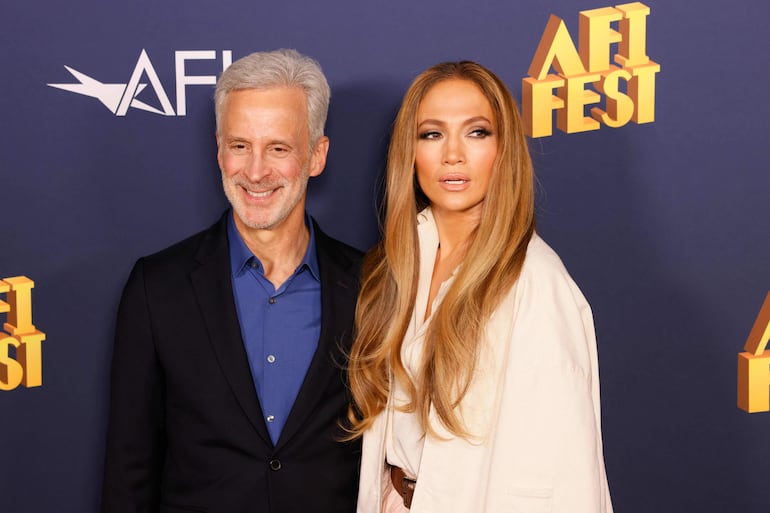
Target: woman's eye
column 480, row 133
column 430, row 135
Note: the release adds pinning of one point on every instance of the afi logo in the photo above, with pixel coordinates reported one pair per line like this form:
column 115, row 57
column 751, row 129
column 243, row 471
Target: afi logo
column 122, row 96
column 20, row 342
column 754, row 365
column 586, row 76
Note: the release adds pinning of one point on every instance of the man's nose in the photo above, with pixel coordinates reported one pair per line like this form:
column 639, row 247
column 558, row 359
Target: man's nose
column 257, row 167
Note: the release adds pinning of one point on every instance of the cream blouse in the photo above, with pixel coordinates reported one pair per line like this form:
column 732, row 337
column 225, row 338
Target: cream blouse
column 405, row 435
column 533, row 402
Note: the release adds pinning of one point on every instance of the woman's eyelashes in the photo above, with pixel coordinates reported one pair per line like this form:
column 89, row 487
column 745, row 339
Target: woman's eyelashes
column 429, row 134
column 477, row 133
column 480, row 133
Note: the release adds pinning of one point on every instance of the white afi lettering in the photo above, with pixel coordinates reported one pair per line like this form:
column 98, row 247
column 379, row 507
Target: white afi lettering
column 119, row 97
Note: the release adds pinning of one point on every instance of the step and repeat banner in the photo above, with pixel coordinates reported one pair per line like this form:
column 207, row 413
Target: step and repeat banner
column 650, row 129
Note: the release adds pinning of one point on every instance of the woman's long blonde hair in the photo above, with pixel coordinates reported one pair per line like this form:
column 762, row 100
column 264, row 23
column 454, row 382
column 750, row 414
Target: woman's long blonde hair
column 491, row 266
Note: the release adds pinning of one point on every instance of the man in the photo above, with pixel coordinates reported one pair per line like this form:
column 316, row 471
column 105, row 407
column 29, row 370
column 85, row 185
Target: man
column 228, row 385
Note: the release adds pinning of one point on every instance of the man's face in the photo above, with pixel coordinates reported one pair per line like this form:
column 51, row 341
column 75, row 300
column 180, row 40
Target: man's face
column 264, row 154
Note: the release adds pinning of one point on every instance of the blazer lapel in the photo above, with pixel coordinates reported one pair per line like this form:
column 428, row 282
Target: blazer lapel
column 339, row 290
column 214, row 292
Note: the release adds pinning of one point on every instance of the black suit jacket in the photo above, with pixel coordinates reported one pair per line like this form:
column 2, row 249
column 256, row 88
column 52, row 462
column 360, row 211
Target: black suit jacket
column 186, row 431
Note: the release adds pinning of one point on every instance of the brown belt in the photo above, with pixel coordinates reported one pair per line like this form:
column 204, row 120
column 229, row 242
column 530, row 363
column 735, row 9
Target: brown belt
column 403, row 485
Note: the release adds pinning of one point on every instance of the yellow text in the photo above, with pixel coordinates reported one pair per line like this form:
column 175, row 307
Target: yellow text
column 754, row 365
column 21, row 358
column 585, row 75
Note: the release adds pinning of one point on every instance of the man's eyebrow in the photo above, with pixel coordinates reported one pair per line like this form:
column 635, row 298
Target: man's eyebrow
column 283, row 142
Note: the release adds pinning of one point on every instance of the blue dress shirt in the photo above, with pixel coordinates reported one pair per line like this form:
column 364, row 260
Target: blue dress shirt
column 280, row 328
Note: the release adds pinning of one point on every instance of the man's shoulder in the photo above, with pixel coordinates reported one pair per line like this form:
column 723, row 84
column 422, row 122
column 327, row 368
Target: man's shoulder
column 189, row 248
column 330, row 247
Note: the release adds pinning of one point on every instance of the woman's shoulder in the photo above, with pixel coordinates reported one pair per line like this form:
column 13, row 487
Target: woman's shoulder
column 542, row 262
column 549, row 320
column 545, row 286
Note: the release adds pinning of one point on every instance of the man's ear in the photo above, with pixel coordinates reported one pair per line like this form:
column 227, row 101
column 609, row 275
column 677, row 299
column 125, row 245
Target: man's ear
column 219, row 151
column 318, row 156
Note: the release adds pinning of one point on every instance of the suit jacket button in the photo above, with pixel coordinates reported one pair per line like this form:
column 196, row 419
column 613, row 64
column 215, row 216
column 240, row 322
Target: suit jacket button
column 275, row 464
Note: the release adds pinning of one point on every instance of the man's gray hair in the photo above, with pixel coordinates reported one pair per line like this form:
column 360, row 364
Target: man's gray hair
column 280, row 68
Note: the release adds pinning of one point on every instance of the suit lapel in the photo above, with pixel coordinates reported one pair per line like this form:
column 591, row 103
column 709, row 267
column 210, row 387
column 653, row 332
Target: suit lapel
column 339, row 290
column 214, row 292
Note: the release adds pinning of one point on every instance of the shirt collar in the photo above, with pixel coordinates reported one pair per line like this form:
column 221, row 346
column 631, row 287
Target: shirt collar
column 241, row 255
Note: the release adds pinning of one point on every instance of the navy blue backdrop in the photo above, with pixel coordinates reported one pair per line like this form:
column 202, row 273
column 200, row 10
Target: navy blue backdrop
column 664, row 225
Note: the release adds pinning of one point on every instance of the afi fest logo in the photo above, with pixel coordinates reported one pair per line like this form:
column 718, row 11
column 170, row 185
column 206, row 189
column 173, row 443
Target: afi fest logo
column 754, row 365
column 584, row 76
column 21, row 358
column 120, row 97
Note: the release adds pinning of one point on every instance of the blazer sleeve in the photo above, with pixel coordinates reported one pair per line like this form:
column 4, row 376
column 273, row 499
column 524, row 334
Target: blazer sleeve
column 135, row 433
column 552, row 402
column 534, row 404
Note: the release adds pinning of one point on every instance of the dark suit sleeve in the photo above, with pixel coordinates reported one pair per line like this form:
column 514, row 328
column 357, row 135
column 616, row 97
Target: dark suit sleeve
column 135, row 436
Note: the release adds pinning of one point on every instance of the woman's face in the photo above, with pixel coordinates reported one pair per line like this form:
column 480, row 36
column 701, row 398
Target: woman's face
column 456, row 147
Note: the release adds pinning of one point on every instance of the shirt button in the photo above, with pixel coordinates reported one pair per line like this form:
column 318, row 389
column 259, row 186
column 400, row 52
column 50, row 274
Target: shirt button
column 275, row 464
column 270, row 358
column 254, row 265
column 270, row 418
column 272, row 301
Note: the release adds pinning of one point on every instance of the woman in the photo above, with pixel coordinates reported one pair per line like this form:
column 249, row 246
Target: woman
column 474, row 372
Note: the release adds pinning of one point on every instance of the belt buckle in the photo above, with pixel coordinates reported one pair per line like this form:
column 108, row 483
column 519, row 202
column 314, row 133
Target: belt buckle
column 407, row 490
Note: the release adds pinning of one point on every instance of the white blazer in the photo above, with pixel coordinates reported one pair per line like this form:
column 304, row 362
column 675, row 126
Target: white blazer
column 533, row 406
